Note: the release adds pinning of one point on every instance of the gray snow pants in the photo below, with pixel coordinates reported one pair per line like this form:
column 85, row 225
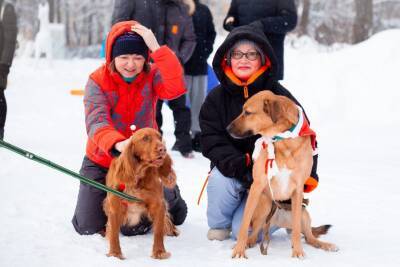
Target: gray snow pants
column 197, row 87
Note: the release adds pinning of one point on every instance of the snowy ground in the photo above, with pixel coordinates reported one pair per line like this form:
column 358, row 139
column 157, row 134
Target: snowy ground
column 351, row 96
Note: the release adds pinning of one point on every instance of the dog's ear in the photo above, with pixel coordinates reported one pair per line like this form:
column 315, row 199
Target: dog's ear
column 289, row 110
column 281, row 108
column 273, row 109
column 166, row 173
column 129, row 161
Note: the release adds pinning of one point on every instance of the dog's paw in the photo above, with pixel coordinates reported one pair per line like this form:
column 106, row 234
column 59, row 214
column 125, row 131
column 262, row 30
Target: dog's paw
column 264, row 247
column 173, row 231
column 116, row 254
column 160, row 255
column 298, row 253
column 239, row 251
column 252, row 241
column 330, row 247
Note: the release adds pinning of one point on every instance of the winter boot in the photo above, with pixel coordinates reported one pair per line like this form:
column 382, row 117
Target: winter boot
column 218, row 234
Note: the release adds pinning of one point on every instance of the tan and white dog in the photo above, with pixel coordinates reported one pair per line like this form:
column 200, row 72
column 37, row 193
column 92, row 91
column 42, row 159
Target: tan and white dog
column 279, row 171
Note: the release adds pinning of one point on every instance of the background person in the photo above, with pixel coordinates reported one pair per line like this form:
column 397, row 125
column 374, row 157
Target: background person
column 196, row 67
column 8, row 41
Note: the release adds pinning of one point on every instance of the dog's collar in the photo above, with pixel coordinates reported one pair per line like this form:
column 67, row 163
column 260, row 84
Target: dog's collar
column 294, row 131
column 301, row 128
column 267, row 142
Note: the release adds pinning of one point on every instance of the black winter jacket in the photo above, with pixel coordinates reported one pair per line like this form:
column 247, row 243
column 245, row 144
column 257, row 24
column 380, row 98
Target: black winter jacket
column 149, row 13
column 168, row 19
column 224, row 103
column 205, row 37
column 8, row 40
column 277, row 17
column 180, row 36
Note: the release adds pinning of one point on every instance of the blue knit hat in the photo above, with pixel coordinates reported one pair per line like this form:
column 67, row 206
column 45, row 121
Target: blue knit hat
column 129, row 43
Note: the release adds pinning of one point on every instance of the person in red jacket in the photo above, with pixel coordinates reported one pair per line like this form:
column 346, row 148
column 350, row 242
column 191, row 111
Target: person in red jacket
column 121, row 93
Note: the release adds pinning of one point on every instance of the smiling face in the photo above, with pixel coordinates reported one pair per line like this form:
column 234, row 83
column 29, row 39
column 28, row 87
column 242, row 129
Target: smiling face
column 129, row 65
column 244, row 67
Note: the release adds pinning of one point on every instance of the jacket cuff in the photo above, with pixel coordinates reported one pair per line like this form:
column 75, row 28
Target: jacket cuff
column 107, row 138
column 160, row 52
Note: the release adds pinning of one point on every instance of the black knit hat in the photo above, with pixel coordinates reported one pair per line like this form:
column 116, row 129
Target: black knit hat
column 129, row 43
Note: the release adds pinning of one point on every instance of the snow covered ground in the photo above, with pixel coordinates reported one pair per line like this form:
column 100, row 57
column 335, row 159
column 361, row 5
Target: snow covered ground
column 352, row 98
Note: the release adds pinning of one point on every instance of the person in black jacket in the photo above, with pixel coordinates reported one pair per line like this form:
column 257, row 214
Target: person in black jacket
column 196, row 67
column 8, row 41
column 245, row 64
column 277, row 17
column 171, row 22
column 179, row 35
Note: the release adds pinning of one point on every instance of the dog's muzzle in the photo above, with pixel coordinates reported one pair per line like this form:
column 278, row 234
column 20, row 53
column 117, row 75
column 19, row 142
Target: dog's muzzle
column 236, row 133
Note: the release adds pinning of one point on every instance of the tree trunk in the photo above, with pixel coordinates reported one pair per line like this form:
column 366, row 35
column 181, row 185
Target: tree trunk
column 363, row 20
column 304, row 17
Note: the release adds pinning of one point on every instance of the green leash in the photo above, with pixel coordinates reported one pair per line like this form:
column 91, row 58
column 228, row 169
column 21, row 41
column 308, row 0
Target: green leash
column 55, row 166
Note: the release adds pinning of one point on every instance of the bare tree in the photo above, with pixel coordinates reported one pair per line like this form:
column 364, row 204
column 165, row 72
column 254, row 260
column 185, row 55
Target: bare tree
column 304, row 14
column 363, row 20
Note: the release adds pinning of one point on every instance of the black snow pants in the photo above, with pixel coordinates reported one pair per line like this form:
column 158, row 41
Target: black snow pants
column 182, row 122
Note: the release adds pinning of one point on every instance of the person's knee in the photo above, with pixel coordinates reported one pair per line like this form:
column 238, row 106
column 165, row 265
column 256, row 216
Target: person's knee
column 179, row 212
column 177, row 207
column 87, row 226
column 221, row 187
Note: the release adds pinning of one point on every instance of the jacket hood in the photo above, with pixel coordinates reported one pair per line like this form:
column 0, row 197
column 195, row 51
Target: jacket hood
column 116, row 30
column 250, row 32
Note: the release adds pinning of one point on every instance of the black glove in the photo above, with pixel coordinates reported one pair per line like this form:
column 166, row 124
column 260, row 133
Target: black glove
column 314, row 168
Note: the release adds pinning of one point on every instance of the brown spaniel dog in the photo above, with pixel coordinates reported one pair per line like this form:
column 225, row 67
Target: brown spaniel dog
column 142, row 169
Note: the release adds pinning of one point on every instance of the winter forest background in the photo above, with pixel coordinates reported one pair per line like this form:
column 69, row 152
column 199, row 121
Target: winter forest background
column 82, row 24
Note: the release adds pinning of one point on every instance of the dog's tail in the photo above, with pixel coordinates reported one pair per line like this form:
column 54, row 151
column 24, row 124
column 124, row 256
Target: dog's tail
column 320, row 230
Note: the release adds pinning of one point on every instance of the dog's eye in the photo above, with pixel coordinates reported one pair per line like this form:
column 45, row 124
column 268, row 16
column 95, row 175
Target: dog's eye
column 247, row 113
column 146, row 138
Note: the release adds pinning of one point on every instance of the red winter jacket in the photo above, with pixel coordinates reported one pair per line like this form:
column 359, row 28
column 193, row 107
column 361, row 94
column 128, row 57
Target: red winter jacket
column 112, row 105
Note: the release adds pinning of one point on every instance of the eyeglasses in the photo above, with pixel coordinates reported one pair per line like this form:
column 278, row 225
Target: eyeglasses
column 252, row 55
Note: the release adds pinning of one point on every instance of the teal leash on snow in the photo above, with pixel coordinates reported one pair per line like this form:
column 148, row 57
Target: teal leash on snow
column 55, row 166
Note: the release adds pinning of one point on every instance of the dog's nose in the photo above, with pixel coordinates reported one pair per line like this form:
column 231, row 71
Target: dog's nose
column 161, row 148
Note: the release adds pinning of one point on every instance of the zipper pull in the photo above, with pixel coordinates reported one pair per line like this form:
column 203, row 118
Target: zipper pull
column 246, row 92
